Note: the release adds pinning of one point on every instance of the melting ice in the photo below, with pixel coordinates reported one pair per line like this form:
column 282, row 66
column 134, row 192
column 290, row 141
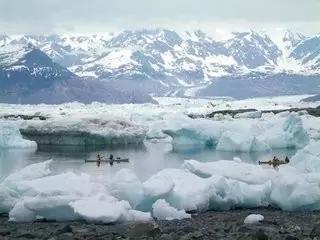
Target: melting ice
column 38, row 191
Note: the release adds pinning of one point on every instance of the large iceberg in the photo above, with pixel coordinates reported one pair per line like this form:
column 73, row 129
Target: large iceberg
column 244, row 135
column 85, row 131
column 10, row 137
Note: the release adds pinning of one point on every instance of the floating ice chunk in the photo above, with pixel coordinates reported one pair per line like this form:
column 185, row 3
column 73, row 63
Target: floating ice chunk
column 126, row 186
column 292, row 134
column 162, row 210
column 253, row 219
column 308, row 158
column 10, row 137
column 240, row 135
column 245, row 172
column 233, row 141
column 84, row 132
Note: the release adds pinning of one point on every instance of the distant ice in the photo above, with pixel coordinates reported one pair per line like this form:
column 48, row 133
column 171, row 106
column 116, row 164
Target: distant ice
column 10, row 137
column 243, row 135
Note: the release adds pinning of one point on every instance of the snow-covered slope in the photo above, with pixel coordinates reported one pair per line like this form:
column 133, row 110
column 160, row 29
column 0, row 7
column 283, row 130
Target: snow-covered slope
column 27, row 75
column 166, row 62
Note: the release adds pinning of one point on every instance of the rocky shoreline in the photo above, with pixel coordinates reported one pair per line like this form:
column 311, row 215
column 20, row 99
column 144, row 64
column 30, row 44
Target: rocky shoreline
column 210, row 225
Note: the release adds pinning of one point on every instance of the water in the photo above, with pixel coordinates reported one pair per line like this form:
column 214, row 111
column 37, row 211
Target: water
column 145, row 160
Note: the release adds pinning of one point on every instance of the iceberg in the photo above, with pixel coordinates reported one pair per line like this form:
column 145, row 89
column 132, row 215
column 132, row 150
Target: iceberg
column 85, row 131
column 243, row 135
column 308, row 158
column 10, row 137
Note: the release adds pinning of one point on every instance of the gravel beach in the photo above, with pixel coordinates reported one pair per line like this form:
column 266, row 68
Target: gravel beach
column 210, row 225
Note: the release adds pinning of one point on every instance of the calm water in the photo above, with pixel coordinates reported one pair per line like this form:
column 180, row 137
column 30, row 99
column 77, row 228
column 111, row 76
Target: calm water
column 145, row 160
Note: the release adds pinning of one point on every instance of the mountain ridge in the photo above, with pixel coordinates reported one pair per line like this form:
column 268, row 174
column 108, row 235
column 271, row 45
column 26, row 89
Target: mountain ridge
column 165, row 62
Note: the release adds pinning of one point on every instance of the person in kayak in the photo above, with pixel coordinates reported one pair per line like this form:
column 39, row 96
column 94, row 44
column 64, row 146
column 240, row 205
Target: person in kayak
column 111, row 160
column 98, row 160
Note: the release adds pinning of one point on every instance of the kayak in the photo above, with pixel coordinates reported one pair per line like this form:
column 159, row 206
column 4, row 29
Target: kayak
column 124, row 160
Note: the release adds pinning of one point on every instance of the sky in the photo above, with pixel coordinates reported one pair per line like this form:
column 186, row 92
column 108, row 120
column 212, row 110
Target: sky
column 94, row 16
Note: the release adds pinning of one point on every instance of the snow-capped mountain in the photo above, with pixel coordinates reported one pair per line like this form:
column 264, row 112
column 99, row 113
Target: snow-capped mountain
column 307, row 52
column 27, row 75
column 166, row 62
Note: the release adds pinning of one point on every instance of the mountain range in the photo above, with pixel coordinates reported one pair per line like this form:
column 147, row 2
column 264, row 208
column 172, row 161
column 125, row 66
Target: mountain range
column 130, row 65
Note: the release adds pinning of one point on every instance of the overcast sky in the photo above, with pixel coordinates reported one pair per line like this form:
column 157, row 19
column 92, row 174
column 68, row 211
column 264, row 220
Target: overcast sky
column 90, row 16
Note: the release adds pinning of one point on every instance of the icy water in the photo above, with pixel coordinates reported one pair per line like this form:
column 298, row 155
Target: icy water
column 145, row 160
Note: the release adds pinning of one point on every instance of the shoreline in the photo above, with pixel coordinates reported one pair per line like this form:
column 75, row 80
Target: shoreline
column 209, row 225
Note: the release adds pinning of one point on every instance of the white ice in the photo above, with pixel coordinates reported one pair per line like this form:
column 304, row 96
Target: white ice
column 10, row 136
column 35, row 192
column 99, row 123
column 244, row 135
column 253, row 219
column 162, row 210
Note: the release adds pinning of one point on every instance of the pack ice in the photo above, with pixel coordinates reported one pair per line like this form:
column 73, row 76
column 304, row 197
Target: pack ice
column 36, row 192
